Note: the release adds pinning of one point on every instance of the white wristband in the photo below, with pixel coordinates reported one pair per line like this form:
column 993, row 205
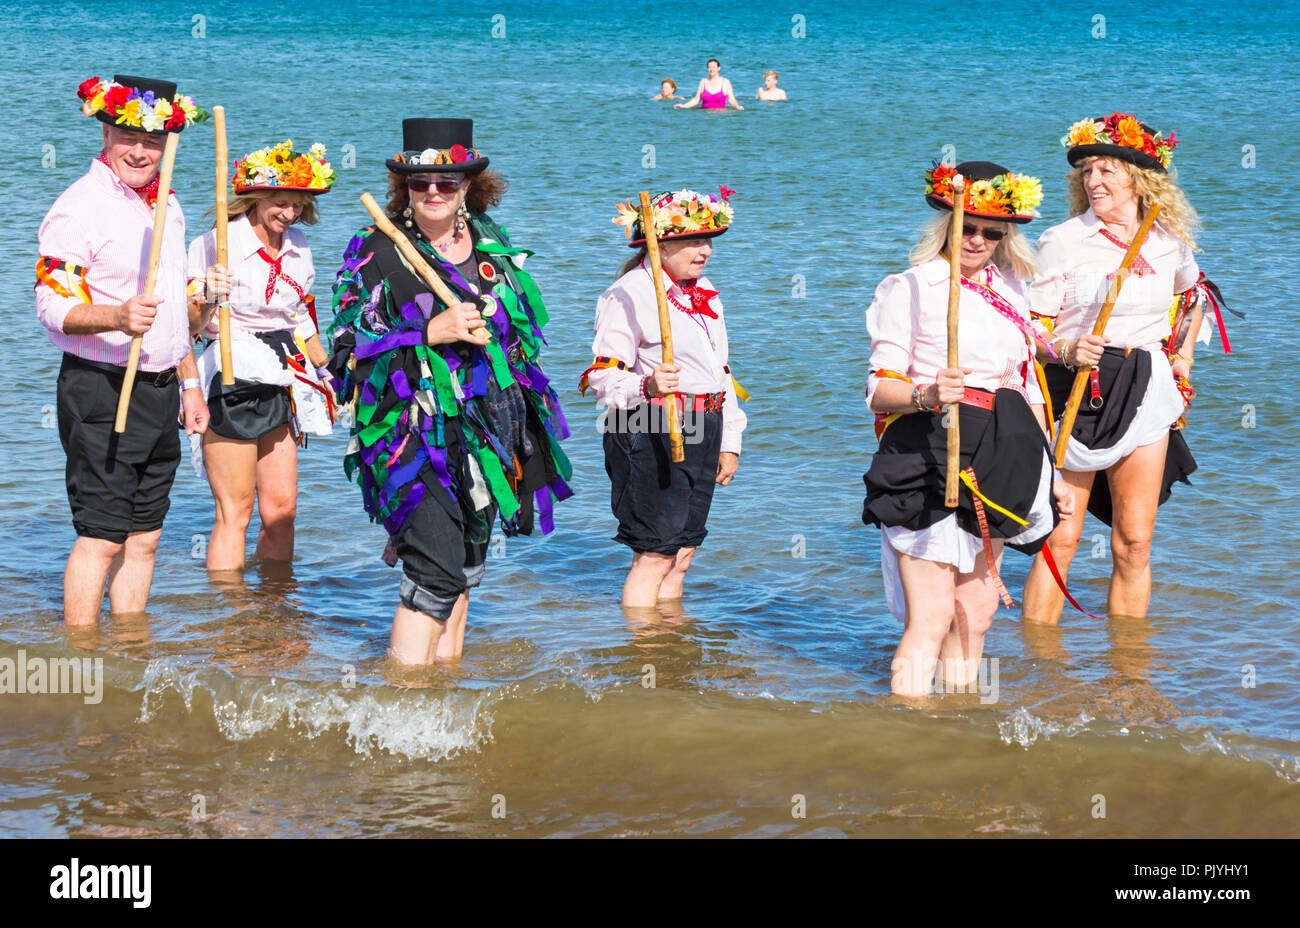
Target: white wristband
column 192, row 383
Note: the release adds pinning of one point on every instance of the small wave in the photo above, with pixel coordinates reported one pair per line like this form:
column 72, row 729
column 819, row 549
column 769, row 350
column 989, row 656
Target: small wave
column 1022, row 727
column 418, row 725
column 1286, row 766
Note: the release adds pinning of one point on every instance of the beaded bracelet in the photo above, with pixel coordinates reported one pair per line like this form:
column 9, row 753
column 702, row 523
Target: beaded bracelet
column 645, row 394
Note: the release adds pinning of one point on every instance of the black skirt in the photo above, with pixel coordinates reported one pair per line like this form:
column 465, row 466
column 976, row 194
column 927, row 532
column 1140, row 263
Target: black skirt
column 1005, row 447
column 246, row 410
column 1125, row 377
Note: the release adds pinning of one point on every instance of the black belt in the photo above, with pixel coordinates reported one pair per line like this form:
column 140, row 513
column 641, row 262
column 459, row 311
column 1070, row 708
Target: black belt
column 157, row 378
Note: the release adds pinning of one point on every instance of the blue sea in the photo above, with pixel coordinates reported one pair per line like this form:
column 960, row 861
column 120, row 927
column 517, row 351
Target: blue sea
column 270, row 697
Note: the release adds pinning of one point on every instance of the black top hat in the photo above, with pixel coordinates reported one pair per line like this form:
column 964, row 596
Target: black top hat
column 437, row 146
column 973, row 171
column 163, row 90
column 1122, row 152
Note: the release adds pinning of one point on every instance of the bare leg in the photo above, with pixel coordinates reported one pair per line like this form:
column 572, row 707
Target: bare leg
column 1135, row 489
column 930, row 590
column 232, row 468
column 646, row 577
column 83, row 579
column 131, row 574
column 976, row 601
column 671, row 587
column 415, row 636
column 1043, row 600
column 277, row 494
column 452, row 642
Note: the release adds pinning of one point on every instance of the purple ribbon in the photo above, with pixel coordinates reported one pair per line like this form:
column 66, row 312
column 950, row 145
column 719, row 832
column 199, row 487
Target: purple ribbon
column 394, row 339
column 398, row 515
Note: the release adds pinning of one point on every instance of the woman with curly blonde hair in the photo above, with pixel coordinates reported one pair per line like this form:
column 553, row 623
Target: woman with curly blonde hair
column 1125, row 451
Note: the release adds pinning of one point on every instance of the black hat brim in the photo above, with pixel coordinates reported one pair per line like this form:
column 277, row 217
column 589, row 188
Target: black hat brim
column 939, row 203
column 678, row 236
column 464, row 167
column 240, row 191
column 1122, row 152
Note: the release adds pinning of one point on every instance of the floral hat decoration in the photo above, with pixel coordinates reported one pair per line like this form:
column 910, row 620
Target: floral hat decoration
column 281, row 168
column 433, row 146
column 1120, row 135
column 139, row 103
column 679, row 214
column 991, row 192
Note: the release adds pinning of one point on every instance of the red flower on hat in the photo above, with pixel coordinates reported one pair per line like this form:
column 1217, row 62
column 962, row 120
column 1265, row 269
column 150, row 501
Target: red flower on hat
column 1112, row 123
column 115, row 99
column 725, row 192
column 176, row 120
column 1171, row 143
column 457, row 153
column 87, row 89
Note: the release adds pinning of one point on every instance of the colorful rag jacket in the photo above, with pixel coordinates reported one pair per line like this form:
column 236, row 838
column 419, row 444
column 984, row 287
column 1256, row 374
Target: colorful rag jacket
column 480, row 424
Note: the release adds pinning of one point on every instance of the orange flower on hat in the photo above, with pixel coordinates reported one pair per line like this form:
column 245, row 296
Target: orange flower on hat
column 1129, row 133
column 1082, row 133
column 983, row 197
column 300, row 174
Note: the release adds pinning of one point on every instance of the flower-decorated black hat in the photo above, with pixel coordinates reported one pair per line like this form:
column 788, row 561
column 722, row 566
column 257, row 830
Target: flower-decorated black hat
column 679, row 214
column 1120, row 135
column 140, row 103
column 990, row 192
column 437, row 146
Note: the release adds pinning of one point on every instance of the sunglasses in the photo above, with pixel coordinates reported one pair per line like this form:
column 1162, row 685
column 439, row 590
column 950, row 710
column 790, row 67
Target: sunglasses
column 989, row 235
column 442, row 185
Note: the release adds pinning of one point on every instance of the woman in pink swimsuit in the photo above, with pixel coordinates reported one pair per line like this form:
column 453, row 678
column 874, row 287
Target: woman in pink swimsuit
column 714, row 92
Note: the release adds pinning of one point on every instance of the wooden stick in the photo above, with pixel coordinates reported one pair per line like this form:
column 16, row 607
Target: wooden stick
column 954, row 304
column 1099, row 328
column 151, row 276
column 665, row 324
column 413, row 256
column 223, row 252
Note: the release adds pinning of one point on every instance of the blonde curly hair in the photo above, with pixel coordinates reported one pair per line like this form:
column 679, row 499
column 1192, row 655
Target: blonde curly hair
column 1177, row 216
column 1014, row 256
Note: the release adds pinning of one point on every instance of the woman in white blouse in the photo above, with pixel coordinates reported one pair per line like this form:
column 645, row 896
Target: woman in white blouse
column 280, row 393
column 1122, row 457
column 940, row 565
column 662, row 506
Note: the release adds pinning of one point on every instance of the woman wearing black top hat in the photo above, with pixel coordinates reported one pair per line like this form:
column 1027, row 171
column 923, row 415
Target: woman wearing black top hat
column 456, row 424
column 940, row 565
column 1125, row 451
column 661, row 506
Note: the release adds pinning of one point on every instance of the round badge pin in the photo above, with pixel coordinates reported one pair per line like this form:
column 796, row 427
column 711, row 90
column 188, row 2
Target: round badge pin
column 489, row 308
column 487, row 271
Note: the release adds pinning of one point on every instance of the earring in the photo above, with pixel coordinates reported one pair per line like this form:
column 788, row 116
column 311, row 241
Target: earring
column 406, row 214
column 462, row 213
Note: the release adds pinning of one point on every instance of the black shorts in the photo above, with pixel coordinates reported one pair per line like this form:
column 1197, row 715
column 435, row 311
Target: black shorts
column 117, row 484
column 662, row 507
column 247, row 410
column 439, row 563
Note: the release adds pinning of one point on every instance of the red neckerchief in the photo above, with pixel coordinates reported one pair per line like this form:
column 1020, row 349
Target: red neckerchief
column 277, row 274
column 699, row 297
column 1140, row 266
column 149, row 191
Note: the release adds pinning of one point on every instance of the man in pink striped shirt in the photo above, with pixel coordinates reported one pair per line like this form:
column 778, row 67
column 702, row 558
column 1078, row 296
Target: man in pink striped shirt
column 94, row 255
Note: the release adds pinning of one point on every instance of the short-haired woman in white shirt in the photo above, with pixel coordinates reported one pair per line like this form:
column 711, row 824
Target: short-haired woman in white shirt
column 661, row 506
column 250, row 451
column 940, row 565
column 1122, row 457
